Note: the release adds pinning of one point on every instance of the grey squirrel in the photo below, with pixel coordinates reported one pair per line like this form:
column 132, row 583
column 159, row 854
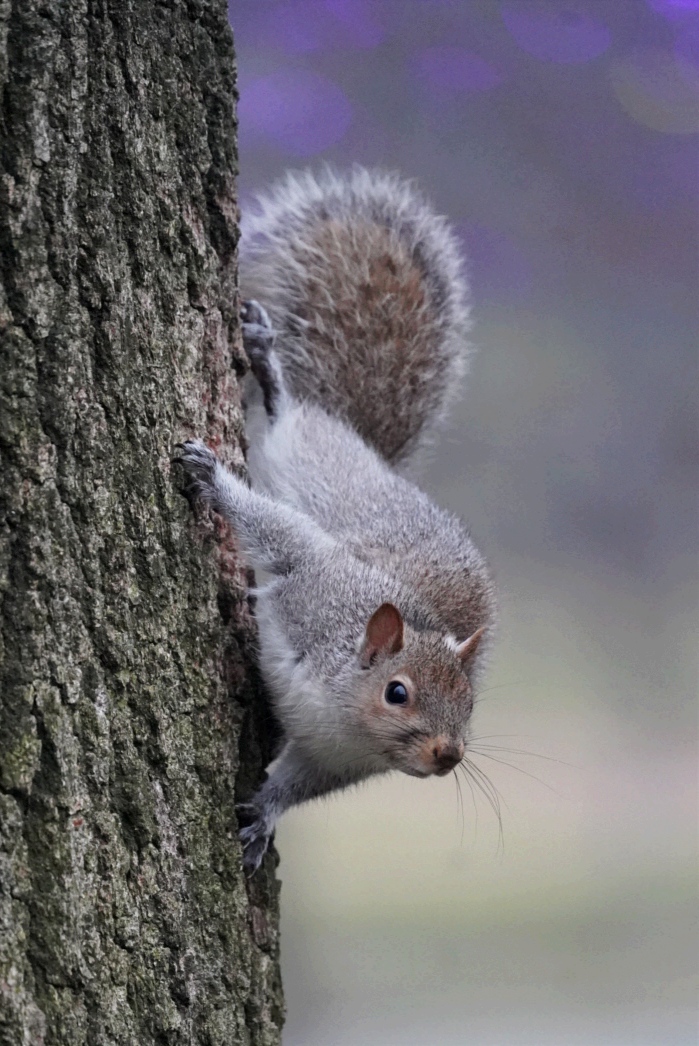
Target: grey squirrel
column 372, row 622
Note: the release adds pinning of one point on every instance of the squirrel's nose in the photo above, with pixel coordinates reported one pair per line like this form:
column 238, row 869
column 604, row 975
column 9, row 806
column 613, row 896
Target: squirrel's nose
column 447, row 754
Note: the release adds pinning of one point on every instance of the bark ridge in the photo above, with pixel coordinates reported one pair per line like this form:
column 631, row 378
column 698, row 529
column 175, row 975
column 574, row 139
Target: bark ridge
column 127, row 674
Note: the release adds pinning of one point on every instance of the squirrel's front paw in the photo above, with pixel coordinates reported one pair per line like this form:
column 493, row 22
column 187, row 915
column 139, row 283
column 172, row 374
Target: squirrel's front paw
column 255, row 836
column 255, row 839
column 199, row 464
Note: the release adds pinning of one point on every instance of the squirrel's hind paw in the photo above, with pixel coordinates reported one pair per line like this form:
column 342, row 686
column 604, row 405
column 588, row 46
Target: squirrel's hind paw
column 252, row 314
column 258, row 341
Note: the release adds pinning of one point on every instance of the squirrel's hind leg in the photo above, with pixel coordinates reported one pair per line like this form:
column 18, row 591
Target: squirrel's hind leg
column 258, row 342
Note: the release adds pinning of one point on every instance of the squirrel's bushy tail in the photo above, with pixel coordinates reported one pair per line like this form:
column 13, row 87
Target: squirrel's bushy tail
column 365, row 286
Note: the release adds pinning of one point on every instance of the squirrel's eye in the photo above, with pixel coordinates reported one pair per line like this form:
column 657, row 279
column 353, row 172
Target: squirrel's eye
column 396, row 694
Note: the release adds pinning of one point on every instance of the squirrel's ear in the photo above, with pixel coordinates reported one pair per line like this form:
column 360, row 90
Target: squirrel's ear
column 383, row 636
column 466, row 651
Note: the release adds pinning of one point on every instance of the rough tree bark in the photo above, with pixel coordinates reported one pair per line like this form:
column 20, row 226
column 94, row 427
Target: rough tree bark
column 130, row 710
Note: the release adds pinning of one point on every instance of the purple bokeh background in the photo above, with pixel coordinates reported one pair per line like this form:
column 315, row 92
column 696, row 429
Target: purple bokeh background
column 562, row 32
column 674, row 8
column 448, row 70
column 300, row 112
column 560, row 138
column 307, row 26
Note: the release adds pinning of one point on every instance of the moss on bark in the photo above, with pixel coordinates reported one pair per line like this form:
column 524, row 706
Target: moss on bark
column 126, row 660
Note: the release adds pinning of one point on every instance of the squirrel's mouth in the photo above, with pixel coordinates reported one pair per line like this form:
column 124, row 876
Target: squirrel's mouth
column 432, row 771
column 413, row 771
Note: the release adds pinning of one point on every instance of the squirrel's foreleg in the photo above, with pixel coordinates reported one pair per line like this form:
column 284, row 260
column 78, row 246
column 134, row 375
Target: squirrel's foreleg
column 291, row 780
column 275, row 537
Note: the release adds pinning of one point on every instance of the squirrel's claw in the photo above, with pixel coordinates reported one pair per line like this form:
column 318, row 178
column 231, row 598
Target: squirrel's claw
column 255, row 839
column 258, row 341
column 199, row 464
column 255, row 836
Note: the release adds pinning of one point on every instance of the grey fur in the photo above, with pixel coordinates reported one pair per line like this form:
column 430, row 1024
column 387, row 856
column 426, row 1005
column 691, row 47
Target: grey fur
column 341, row 533
column 330, row 570
column 365, row 288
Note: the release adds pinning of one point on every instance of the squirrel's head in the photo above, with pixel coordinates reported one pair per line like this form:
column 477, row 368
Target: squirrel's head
column 415, row 694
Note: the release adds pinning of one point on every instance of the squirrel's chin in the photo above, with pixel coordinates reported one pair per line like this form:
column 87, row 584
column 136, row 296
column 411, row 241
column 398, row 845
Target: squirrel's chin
column 414, row 772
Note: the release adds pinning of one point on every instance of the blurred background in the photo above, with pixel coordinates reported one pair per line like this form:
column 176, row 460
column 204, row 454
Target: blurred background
column 561, row 139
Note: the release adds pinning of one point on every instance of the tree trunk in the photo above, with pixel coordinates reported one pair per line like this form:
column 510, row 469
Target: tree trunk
column 130, row 710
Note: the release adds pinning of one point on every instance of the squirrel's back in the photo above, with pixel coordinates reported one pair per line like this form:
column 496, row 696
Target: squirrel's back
column 364, row 285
